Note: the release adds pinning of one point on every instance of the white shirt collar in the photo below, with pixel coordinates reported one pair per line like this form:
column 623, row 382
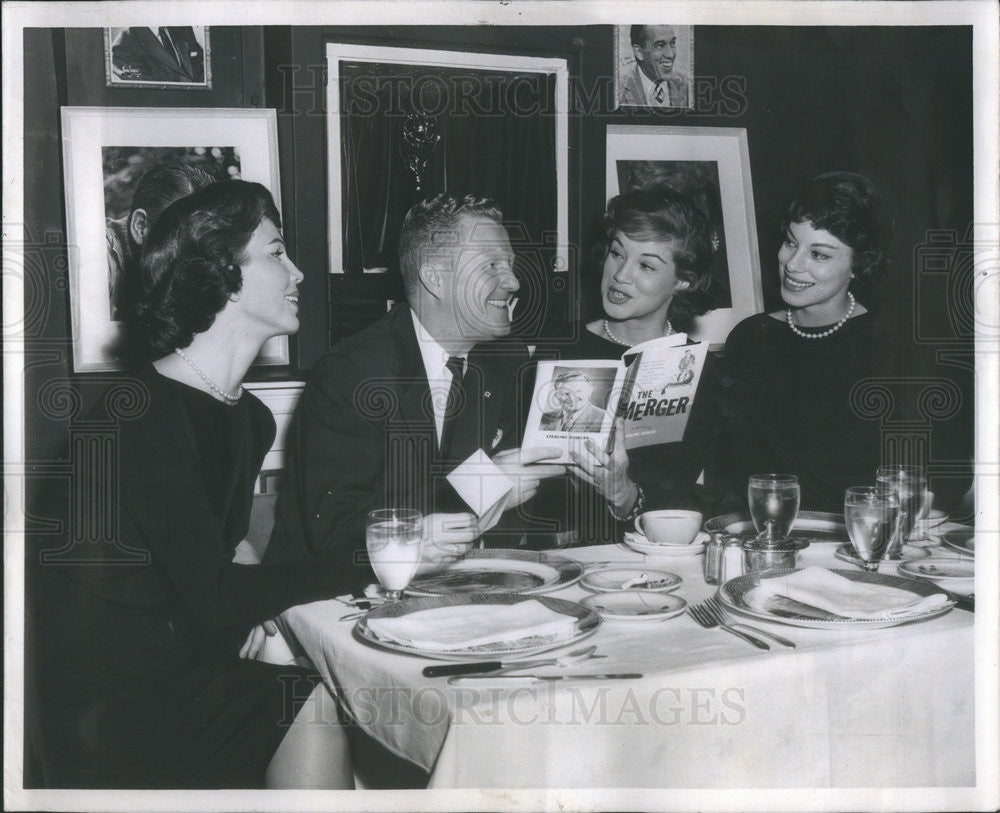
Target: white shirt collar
column 438, row 375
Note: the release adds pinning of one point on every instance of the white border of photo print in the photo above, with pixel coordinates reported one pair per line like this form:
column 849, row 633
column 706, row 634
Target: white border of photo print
column 85, row 132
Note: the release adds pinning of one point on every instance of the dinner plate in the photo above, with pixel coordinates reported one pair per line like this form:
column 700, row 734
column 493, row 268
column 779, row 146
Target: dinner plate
column 846, row 553
column 734, row 593
column 810, row 526
column 616, row 578
column 588, row 620
column 499, row 571
column 961, row 539
column 636, row 605
column 641, row 544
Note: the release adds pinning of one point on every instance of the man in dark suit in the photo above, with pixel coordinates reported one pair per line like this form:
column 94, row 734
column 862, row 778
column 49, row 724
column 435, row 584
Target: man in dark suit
column 654, row 82
column 391, row 411
column 170, row 54
column 571, row 391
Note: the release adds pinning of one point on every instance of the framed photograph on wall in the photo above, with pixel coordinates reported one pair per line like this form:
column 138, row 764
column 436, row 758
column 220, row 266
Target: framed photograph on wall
column 711, row 165
column 408, row 123
column 173, row 56
column 654, row 66
column 107, row 152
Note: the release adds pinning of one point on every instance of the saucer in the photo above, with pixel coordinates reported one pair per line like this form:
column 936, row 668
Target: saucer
column 635, row 605
column 615, row 578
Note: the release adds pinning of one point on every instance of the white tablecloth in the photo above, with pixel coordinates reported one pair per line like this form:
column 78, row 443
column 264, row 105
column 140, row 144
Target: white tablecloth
column 854, row 708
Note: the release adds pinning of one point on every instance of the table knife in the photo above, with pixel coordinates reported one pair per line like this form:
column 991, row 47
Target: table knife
column 487, row 666
column 459, row 679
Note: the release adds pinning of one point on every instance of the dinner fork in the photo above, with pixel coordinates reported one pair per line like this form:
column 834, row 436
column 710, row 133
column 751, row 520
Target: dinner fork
column 700, row 614
column 716, row 610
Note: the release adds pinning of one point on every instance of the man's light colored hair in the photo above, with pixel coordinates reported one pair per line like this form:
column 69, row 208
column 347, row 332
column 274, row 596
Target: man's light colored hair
column 432, row 229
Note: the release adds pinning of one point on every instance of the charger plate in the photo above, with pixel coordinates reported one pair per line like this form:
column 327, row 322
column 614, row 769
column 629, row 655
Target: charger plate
column 810, row 526
column 736, row 594
column 587, row 622
column 499, row 571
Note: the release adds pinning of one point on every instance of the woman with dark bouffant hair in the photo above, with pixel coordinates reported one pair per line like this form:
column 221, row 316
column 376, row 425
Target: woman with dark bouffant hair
column 790, row 373
column 145, row 642
column 656, row 255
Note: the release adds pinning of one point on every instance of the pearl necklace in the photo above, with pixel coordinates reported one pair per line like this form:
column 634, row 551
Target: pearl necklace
column 229, row 397
column 799, row 332
column 616, row 340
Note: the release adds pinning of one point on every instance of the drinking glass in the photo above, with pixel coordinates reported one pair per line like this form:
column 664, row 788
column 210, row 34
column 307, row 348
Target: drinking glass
column 871, row 514
column 908, row 483
column 774, row 504
column 392, row 536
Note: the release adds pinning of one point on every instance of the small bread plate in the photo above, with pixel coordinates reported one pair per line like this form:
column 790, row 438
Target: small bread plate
column 587, row 621
column 810, row 526
column 846, row 554
column 739, row 594
column 962, row 540
column 641, row 544
column 954, row 574
column 499, row 571
column 635, row 605
column 616, row 578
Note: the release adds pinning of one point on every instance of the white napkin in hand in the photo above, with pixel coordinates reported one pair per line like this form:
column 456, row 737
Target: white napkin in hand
column 443, row 629
column 829, row 591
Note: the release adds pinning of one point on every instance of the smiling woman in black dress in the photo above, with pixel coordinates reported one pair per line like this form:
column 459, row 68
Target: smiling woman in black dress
column 789, row 375
column 137, row 641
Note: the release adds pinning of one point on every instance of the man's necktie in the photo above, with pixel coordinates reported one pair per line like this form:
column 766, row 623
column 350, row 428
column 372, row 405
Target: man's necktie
column 658, row 94
column 456, row 400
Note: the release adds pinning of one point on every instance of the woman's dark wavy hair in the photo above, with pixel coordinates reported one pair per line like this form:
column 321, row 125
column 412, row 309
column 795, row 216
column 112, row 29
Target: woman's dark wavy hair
column 662, row 215
column 191, row 259
column 852, row 209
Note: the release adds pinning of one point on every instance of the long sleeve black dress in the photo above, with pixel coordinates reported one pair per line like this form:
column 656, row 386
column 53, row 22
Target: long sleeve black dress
column 789, row 408
column 134, row 639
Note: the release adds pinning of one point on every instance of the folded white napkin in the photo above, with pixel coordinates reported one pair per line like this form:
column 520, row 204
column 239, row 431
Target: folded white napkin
column 443, row 629
column 829, row 591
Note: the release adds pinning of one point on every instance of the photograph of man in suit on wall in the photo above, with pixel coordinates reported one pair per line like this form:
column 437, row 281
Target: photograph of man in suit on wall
column 165, row 56
column 654, row 65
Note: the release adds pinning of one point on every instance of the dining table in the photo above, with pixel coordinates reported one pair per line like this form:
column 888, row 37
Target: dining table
column 852, row 707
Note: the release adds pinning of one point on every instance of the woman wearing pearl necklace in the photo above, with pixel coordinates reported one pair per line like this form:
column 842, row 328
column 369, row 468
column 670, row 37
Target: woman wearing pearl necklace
column 656, row 270
column 790, row 373
column 145, row 644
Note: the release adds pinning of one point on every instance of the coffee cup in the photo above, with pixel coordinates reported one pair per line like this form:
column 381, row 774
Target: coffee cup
column 669, row 526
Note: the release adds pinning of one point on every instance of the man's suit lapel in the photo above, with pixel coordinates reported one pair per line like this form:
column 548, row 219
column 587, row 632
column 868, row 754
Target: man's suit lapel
column 415, row 409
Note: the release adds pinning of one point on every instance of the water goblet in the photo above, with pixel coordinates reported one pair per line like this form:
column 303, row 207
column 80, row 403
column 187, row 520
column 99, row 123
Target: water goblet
column 774, row 505
column 393, row 539
column 908, row 483
column 871, row 514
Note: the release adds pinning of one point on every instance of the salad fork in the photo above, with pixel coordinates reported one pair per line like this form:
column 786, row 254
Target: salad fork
column 715, row 608
column 703, row 616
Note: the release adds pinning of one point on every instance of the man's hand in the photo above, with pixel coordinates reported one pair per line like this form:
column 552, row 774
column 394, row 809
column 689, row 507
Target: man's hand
column 254, row 643
column 445, row 538
column 525, row 470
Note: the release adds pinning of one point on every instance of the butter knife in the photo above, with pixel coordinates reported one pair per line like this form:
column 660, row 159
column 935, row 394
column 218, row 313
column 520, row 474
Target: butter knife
column 457, row 680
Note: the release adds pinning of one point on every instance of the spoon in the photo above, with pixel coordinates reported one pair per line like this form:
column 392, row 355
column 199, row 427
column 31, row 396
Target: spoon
column 503, row 667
